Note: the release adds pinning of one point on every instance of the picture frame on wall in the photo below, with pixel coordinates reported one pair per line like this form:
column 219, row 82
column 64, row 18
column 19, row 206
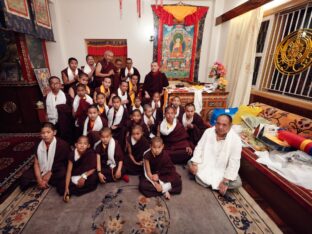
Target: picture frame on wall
column 42, row 75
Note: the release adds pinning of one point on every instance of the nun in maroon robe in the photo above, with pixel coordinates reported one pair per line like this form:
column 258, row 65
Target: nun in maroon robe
column 83, row 164
column 62, row 150
column 175, row 138
column 138, row 148
column 164, row 168
column 155, row 81
column 106, row 170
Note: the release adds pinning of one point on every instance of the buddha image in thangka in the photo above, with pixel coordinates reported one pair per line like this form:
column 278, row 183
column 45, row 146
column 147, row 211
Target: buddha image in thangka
column 177, row 50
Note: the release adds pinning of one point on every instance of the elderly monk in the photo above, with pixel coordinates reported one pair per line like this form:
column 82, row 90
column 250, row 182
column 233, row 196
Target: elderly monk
column 104, row 68
column 155, row 81
column 216, row 158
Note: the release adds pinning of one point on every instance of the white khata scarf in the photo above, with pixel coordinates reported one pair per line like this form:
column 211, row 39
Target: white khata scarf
column 51, row 102
column 77, row 100
column 123, row 97
column 71, row 74
column 46, row 157
column 98, row 125
column 166, row 128
column 186, row 121
column 118, row 116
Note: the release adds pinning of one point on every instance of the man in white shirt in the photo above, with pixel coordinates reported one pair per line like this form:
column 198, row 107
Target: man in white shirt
column 216, row 158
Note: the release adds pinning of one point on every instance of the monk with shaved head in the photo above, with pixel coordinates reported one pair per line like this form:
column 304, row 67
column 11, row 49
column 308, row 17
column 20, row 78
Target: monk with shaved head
column 104, row 68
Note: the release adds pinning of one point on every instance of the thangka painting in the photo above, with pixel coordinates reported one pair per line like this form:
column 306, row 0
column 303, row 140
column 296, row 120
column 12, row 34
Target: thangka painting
column 177, row 50
column 42, row 13
column 42, row 75
column 17, row 7
column 178, row 40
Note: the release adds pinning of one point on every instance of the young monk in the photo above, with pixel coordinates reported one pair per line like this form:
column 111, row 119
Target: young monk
column 157, row 108
column 160, row 176
column 50, row 161
column 101, row 105
column 59, row 109
column 136, row 119
column 150, row 122
column 136, row 146
column 93, row 124
column 122, row 92
column 117, row 117
column 193, row 123
column 137, row 105
column 105, row 89
column 133, row 88
column 179, row 110
column 80, row 176
column 82, row 79
column 175, row 138
column 109, row 158
column 81, row 104
column 71, row 73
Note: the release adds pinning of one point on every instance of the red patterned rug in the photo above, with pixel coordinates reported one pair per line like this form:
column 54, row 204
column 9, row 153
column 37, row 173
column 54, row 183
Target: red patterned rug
column 16, row 156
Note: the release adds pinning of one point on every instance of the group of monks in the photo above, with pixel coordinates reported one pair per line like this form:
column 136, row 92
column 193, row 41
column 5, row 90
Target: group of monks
column 103, row 126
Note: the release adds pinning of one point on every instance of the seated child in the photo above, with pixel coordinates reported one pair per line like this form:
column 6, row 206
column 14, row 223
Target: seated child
column 109, row 157
column 50, row 161
column 101, row 105
column 83, row 78
column 137, row 105
column 136, row 145
column 179, row 110
column 93, row 124
column 122, row 92
column 105, row 89
column 160, row 176
column 80, row 177
column 175, row 137
column 157, row 108
column 133, row 88
column 150, row 122
column 136, row 119
column 81, row 104
column 193, row 123
column 117, row 117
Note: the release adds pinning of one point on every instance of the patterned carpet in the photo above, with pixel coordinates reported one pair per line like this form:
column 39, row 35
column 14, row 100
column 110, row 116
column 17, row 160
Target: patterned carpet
column 16, row 156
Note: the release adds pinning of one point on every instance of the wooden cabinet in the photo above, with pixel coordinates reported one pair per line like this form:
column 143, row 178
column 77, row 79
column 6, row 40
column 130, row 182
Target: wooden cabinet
column 213, row 100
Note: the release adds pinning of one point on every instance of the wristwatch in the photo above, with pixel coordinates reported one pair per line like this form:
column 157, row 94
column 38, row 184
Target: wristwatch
column 84, row 176
column 99, row 171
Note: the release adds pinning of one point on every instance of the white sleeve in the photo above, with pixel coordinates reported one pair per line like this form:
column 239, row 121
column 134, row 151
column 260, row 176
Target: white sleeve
column 232, row 168
column 198, row 151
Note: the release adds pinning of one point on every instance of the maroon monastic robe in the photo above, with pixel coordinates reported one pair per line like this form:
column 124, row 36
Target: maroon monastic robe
column 106, row 67
column 118, row 156
column 198, row 130
column 65, row 72
column 58, row 170
column 131, row 124
column 85, row 163
column 138, row 150
column 176, row 143
column 164, row 168
column 120, row 132
column 154, row 82
column 94, row 136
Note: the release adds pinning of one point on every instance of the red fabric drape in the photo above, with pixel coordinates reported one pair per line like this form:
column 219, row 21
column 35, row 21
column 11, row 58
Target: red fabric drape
column 163, row 15
column 99, row 50
column 196, row 16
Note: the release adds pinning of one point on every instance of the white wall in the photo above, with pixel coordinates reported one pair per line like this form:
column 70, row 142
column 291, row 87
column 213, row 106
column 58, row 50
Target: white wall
column 76, row 20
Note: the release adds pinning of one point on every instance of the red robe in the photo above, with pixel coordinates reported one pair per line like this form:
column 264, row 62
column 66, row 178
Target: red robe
column 137, row 151
column 118, row 156
column 176, row 143
column 85, row 163
column 64, row 72
column 58, row 170
column 154, row 82
column 106, row 67
column 163, row 166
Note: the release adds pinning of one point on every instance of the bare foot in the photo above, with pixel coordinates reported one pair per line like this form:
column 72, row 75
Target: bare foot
column 167, row 195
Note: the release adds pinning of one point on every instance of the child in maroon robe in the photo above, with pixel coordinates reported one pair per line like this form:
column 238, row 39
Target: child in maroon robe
column 101, row 105
column 136, row 145
column 157, row 108
column 137, row 105
column 109, row 158
column 160, row 176
column 117, row 117
column 136, row 119
column 80, row 177
column 150, row 122
column 83, row 78
column 175, row 137
column 81, row 104
column 122, row 92
column 105, row 89
column 193, row 123
column 50, row 161
column 176, row 103
column 93, row 124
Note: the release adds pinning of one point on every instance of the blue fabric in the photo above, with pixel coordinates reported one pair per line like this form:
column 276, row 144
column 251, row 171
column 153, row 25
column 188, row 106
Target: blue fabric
column 219, row 111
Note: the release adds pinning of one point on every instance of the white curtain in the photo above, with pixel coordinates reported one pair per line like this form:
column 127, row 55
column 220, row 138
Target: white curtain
column 240, row 54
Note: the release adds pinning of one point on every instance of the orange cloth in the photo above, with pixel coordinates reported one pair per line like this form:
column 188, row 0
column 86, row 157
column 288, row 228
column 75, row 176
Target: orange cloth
column 180, row 12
